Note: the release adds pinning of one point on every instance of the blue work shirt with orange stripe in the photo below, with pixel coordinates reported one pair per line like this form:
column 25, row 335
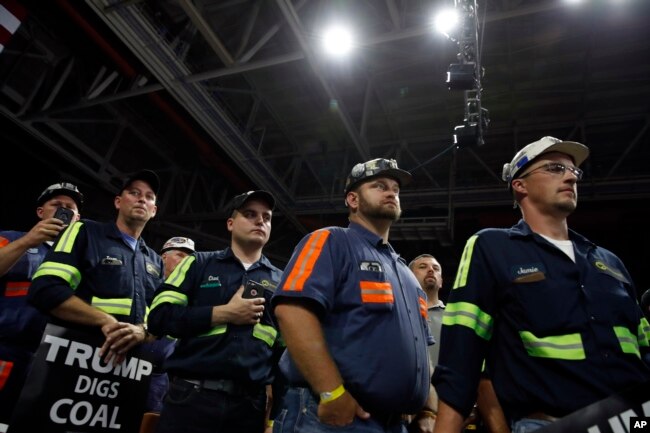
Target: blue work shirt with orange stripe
column 21, row 325
column 372, row 312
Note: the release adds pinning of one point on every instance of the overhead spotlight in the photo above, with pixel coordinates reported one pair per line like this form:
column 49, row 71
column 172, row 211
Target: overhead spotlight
column 468, row 135
column 337, row 41
column 461, row 76
column 446, row 21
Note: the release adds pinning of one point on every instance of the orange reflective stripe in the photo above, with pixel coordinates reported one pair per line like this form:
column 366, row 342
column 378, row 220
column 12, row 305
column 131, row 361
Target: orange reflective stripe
column 376, row 292
column 5, row 370
column 16, row 288
column 3, row 242
column 423, row 307
column 304, row 265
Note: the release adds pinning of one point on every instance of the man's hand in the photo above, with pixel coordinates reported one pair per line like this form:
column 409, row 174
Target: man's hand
column 423, row 424
column 44, row 230
column 341, row 412
column 120, row 338
column 240, row 311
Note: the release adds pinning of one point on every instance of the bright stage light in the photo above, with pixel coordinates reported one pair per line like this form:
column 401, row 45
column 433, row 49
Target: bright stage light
column 337, row 41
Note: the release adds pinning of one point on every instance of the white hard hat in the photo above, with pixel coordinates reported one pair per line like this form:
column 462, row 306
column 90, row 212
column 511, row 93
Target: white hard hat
column 178, row 243
column 579, row 152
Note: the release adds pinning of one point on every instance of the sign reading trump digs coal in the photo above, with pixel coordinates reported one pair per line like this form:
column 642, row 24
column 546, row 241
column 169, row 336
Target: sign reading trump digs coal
column 70, row 388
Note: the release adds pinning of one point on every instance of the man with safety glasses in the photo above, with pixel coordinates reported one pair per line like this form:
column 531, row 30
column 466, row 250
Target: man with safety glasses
column 554, row 316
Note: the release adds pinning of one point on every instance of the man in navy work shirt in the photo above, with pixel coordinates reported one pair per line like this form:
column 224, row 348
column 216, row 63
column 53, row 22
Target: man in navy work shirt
column 103, row 275
column 21, row 325
column 228, row 343
column 354, row 318
column 554, row 316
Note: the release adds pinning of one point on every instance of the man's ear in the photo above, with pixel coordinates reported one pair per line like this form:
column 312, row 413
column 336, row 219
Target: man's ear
column 39, row 212
column 519, row 186
column 352, row 200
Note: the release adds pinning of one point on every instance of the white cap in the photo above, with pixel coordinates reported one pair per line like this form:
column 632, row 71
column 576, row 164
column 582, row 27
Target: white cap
column 579, row 152
column 179, row 243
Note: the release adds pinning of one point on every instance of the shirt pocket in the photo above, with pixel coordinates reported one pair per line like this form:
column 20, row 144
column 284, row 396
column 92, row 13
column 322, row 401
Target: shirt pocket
column 376, row 293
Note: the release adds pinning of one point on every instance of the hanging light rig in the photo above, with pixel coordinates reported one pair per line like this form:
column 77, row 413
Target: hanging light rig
column 466, row 76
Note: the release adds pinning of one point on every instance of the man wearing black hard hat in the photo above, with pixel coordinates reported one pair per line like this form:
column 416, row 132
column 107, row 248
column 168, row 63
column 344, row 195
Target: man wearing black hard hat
column 110, row 273
column 228, row 343
column 353, row 317
column 554, row 316
column 21, row 253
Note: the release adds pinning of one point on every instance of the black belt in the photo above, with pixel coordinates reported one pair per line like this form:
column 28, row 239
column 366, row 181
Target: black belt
column 225, row 386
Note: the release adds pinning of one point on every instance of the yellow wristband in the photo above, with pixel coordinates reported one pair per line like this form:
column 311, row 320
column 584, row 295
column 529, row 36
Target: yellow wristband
column 326, row 397
column 426, row 413
column 269, row 423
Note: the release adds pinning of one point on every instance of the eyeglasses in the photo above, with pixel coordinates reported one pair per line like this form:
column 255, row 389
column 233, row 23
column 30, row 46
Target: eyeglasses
column 556, row 168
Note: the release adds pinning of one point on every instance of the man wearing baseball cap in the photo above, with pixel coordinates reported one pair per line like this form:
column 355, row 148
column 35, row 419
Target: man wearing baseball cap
column 354, row 318
column 174, row 251
column 554, row 316
column 110, row 273
column 21, row 325
column 228, row 343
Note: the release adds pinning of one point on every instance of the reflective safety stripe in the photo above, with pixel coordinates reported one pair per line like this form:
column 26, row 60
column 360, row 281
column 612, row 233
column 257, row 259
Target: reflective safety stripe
column 470, row 315
column 265, row 333
column 627, row 340
column 5, row 370
column 66, row 241
column 121, row 306
column 16, row 288
column 644, row 333
column 69, row 274
column 463, row 267
column 568, row 347
column 423, row 307
column 219, row 329
column 171, row 297
column 375, row 292
column 3, row 242
column 177, row 276
column 304, row 264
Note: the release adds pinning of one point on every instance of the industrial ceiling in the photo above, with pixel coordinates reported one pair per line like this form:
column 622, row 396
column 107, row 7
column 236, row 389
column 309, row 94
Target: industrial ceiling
column 220, row 97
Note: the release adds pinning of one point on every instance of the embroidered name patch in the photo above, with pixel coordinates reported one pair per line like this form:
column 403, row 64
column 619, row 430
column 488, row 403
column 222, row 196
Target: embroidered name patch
column 528, row 273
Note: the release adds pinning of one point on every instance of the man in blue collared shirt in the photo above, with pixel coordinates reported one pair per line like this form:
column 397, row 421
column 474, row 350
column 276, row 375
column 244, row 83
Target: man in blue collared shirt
column 354, row 318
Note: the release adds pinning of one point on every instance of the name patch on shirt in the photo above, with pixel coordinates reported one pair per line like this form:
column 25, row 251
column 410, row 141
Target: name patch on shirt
column 111, row 261
column 32, row 251
column 213, row 281
column 610, row 270
column 528, row 273
column 371, row 266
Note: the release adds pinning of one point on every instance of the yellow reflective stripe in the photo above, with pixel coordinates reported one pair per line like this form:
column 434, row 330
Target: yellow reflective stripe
column 177, row 277
column 69, row 274
column 463, row 268
column 644, row 333
column 627, row 340
column 146, row 314
column 219, row 329
column 470, row 315
column 568, row 347
column 171, row 297
column 66, row 241
column 265, row 333
column 120, row 306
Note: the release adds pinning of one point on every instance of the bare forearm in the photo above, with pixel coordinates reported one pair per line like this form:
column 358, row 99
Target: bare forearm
column 449, row 420
column 490, row 408
column 10, row 254
column 303, row 334
column 75, row 310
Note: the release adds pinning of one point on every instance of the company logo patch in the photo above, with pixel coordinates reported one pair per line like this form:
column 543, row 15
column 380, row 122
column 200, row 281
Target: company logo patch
column 371, row 266
column 268, row 284
column 152, row 269
column 609, row 270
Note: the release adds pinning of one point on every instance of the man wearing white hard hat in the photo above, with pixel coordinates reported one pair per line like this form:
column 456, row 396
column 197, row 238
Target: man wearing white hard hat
column 554, row 316
column 175, row 250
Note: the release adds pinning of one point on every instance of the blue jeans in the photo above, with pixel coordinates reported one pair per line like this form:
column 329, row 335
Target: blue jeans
column 300, row 415
column 189, row 408
column 527, row 425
